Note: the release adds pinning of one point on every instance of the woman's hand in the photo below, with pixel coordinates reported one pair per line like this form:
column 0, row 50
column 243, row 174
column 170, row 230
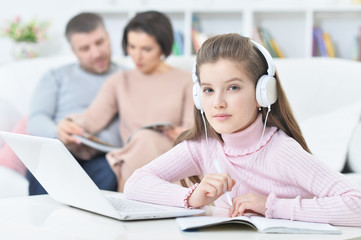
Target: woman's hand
column 66, row 128
column 248, row 203
column 211, row 187
column 173, row 132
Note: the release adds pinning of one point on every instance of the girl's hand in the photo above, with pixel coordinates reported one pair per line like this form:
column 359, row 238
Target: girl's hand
column 248, row 203
column 211, row 187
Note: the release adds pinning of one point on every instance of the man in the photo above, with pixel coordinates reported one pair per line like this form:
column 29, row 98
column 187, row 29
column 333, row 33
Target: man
column 70, row 90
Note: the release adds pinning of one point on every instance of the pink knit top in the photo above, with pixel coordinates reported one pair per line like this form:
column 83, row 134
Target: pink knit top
column 298, row 185
column 141, row 99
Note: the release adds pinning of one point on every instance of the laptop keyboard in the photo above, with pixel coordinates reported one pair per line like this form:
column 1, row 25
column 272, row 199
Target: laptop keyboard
column 125, row 205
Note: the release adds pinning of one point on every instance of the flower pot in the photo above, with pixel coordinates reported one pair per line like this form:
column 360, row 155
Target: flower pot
column 26, row 50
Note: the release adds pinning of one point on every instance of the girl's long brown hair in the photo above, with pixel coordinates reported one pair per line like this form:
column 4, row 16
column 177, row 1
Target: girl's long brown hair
column 241, row 50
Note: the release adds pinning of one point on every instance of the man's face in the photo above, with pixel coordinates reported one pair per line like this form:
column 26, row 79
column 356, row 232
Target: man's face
column 92, row 50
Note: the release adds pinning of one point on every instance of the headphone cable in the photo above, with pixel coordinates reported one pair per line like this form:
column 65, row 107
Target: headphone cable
column 250, row 162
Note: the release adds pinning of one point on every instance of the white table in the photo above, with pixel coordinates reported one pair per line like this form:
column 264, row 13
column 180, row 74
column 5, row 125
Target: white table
column 40, row 217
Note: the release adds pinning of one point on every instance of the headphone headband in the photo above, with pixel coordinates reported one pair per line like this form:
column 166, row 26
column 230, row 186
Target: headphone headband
column 271, row 71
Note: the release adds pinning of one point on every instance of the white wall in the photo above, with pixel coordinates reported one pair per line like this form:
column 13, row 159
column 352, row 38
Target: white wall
column 58, row 12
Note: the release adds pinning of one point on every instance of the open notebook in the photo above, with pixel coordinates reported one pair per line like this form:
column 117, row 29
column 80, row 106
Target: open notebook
column 217, row 216
column 63, row 178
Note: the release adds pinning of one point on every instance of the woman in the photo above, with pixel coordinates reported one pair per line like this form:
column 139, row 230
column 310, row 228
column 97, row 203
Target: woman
column 152, row 93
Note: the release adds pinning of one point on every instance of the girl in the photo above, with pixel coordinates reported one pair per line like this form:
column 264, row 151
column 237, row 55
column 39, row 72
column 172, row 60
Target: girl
column 265, row 170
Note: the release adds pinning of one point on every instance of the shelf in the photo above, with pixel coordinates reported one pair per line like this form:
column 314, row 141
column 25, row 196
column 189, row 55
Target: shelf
column 114, row 23
column 343, row 27
column 290, row 26
column 287, row 28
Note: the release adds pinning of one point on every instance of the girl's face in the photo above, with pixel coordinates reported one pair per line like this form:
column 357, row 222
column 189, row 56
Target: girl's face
column 228, row 96
column 144, row 51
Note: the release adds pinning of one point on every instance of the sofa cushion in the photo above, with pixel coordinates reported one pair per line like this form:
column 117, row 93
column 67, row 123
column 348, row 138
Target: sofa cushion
column 9, row 116
column 354, row 154
column 19, row 79
column 355, row 177
column 328, row 135
column 317, row 86
column 324, row 96
column 7, row 157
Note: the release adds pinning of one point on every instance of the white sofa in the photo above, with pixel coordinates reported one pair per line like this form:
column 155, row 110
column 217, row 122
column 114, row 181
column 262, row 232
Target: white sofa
column 323, row 92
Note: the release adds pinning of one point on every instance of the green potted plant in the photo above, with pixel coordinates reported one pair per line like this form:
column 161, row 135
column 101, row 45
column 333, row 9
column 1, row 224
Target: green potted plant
column 26, row 36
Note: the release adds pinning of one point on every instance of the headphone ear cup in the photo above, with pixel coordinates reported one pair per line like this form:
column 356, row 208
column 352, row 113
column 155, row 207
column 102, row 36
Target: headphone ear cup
column 197, row 96
column 266, row 91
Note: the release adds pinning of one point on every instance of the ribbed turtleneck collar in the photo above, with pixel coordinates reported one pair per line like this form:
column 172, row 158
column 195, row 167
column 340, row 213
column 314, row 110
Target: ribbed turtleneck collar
column 246, row 141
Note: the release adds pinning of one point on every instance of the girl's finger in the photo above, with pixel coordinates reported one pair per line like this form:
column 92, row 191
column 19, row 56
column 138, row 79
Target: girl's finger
column 226, row 180
column 216, row 185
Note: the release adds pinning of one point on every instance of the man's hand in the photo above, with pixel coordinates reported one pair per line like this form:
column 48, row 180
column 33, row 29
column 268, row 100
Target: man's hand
column 248, row 203
column 66, row 128
column 211, row 187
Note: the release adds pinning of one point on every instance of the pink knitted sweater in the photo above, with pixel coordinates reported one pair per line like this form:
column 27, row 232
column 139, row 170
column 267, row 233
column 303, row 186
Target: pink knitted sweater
column 298, row 186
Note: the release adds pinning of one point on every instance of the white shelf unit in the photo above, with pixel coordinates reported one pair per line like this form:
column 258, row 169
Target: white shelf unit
column 115, row 21
column 290, row 26
column 218, row 22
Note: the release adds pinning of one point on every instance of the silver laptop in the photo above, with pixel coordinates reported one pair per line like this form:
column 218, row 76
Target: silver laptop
column 65, row 181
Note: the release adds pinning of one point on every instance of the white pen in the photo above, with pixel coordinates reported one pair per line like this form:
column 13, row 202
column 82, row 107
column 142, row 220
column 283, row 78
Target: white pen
column 219, row 170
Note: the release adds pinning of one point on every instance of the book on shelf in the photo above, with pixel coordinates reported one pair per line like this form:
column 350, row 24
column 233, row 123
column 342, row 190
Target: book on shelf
column 263, row 36
column 359, row 44
column 198, row 38
column 314, row 44
column 321, row 48
column 329, row 45
column 355, row 52
column 266, row 38
column 95, row 142
column 175, row 49
column 277, row 49
column 323, row 45
column 259, row 223
column 196, row 23
column 178, row 45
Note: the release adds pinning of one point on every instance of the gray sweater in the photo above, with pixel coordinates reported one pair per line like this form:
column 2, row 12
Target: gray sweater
column 64, row 91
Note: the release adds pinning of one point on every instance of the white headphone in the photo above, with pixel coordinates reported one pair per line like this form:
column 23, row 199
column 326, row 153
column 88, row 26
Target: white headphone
column 266, row 89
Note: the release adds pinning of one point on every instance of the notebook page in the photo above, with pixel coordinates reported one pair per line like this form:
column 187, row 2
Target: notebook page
column 268, row 225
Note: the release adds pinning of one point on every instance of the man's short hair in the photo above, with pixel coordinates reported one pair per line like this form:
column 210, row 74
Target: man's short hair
column 83, row 23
